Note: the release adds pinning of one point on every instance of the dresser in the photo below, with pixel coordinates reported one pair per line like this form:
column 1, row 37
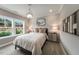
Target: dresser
column 52, row 36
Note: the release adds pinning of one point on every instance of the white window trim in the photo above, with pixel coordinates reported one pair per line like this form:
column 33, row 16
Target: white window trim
column 13, row 27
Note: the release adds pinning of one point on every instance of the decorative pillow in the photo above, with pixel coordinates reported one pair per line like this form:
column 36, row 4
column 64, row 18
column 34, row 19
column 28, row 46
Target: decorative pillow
column 40, row 30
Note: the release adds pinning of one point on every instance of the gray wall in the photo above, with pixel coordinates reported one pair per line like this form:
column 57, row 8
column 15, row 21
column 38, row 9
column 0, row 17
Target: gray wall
column 4, row 40
column 10, row 14
column 66, row 11
column 70, row 42
column 78, row 23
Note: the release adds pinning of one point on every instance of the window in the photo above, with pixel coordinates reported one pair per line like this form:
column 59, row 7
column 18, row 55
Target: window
column 19, row 26
column 5, row 27
column 10, row 26
column 75, row 18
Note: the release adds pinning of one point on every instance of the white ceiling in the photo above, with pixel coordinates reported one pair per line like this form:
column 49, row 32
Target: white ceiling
column 38, row 10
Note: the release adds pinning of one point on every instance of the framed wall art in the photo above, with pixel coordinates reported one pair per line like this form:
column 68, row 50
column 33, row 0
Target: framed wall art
column 41, row 21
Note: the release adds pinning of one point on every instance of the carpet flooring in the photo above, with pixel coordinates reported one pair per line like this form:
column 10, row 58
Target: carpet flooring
column 50, row 48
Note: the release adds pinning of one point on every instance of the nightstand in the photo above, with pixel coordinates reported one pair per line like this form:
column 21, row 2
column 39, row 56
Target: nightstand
column 52, row 36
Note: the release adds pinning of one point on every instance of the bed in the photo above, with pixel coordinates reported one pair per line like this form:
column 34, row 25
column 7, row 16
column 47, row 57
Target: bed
column 32, row 42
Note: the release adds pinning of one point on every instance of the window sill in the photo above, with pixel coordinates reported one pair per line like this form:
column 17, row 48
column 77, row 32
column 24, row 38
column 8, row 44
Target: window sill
column 10, row 36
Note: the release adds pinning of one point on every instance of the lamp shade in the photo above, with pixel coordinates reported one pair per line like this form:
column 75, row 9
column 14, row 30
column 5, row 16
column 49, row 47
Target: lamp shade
column 55, row 28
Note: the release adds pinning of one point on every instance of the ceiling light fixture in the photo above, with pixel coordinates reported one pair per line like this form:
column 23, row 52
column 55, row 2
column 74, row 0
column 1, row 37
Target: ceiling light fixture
column 29, row 13
column 50, row 10
column 53, row 12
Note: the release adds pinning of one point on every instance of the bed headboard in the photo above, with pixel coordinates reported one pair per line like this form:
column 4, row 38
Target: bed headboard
column 41, row 30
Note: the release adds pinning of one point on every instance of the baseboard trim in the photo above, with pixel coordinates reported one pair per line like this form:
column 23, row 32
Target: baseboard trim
column 6, row 44
column 63, row 49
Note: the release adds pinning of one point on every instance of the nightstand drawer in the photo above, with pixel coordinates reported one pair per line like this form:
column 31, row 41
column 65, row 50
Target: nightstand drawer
column 52, row 37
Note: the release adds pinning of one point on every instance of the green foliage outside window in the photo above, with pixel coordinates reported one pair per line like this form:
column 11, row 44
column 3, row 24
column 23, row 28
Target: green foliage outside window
column 18, row 31
column 4, row 33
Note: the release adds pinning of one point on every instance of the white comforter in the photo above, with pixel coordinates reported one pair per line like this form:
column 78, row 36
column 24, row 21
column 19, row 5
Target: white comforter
column 31, row 42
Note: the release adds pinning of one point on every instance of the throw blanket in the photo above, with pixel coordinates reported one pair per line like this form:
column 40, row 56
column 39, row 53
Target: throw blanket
column 31, row 42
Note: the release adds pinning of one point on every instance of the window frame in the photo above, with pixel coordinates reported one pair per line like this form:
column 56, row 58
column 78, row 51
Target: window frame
column 13, row 25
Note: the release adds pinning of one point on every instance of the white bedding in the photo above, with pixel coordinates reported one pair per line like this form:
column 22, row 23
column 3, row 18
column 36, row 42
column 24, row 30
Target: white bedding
column 31, row 42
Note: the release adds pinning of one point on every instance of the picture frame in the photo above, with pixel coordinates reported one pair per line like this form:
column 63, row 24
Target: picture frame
column 41, row 21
